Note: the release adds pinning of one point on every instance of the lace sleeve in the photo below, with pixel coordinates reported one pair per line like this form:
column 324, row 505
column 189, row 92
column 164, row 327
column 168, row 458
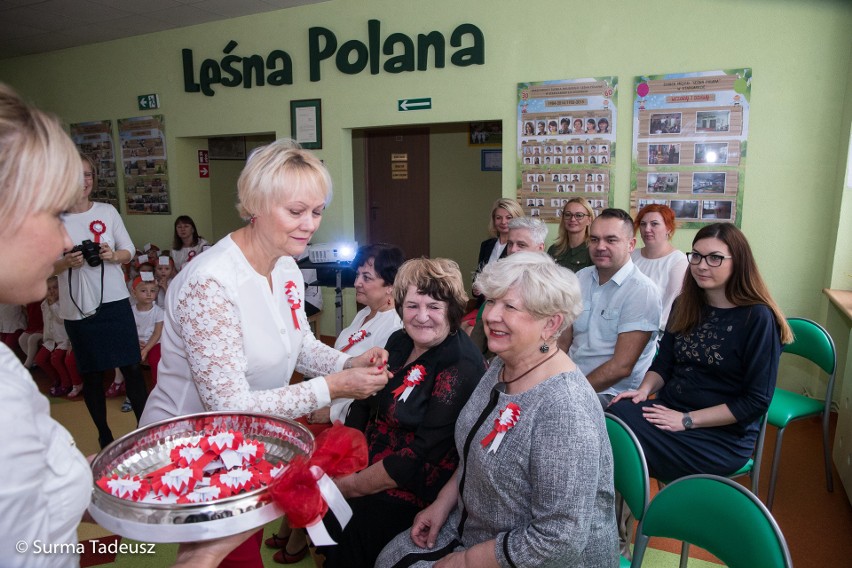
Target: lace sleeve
column 210, row 326
column 318, row 359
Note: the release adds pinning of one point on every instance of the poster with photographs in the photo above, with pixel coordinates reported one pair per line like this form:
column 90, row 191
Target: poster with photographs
column 690, row 134
column 143, row 155
column 95, row 140
column 566, row 144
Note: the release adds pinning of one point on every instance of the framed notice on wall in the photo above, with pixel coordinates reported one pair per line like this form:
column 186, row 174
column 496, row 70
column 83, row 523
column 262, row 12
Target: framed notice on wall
column 690, row 135
column 566, row 144
column 306, row 123
column 94, row 139
column 146, row 172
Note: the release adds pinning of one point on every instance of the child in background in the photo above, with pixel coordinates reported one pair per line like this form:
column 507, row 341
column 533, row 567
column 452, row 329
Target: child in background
column 13, row 320
column 55, row 356
column 30, row 339
column 149, row 320
column 164, row 272
column 143, row 267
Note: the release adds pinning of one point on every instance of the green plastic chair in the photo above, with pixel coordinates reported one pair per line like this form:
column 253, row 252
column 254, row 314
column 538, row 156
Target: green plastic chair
column 718, row 515
column 630, row 471
column 812, row 342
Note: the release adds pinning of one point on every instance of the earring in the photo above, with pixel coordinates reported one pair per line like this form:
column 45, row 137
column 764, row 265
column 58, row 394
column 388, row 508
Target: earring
column 252, row 219
column 544, row 348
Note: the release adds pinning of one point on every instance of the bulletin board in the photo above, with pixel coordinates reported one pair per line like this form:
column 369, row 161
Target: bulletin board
column 690, row 134
column 566, row 144
column 146, row 172
column 95, row 140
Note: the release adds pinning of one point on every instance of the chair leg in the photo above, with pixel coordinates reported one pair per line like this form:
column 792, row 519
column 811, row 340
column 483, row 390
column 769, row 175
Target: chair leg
column 826, row 452
column 684, row 554
column 776, row 461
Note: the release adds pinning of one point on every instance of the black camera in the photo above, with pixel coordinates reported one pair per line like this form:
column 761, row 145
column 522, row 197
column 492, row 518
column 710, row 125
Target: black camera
column 91, row 252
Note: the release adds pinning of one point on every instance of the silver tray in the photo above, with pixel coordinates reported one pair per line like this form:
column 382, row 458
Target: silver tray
column 147, row 449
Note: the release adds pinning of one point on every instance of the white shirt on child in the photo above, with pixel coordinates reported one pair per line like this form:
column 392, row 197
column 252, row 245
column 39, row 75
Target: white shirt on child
column 54, row 335
column 12, row 318
column 146, row 321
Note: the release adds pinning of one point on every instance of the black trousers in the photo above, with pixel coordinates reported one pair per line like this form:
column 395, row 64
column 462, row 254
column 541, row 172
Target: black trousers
column 93, row 394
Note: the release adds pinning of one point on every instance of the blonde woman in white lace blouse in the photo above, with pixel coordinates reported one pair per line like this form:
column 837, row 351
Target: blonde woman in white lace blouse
column 235, row 326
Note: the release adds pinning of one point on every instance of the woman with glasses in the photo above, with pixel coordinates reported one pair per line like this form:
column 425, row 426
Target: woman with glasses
column 715, row 372
column 658, row 259
column 571, row 248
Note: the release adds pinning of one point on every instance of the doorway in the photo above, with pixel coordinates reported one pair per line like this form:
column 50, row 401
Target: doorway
column 397, row 188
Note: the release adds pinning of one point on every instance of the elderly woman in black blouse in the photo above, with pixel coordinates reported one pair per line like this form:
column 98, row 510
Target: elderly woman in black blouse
column 409, row 424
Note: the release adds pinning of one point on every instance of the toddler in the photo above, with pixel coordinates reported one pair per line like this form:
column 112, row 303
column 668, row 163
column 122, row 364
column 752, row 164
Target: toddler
column 13, row 320
column 30, row 339
column 149, row 320
column 164, row 272
column 55, row 356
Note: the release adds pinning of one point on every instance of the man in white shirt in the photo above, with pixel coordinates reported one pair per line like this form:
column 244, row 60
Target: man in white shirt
column 613, row 340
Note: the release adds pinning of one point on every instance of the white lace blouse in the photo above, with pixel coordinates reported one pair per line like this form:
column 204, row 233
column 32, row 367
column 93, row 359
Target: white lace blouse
column 231, row 343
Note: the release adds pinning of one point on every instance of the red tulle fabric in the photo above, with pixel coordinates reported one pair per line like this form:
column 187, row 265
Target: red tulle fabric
column 339, row 451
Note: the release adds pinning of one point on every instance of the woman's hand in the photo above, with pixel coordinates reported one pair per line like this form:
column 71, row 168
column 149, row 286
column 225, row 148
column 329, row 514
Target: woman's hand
column 664, row 418
column 107, row 254
column 72, row 260
column 358, row 382
column 636, row 396
column 427, row 524
column 321, row 416
column 452, row 560
column 210, row 553
column 374, row 357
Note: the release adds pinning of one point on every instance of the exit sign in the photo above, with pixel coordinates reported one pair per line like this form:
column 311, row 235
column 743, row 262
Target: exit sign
column 147, row 102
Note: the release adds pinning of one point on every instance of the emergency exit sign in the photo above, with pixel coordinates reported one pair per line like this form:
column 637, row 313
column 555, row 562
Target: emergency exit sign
column 148, row 102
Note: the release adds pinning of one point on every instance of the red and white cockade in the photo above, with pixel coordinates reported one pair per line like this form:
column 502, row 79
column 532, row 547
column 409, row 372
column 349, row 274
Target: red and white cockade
column 292, row 292
column 414, row 377
column 218, row 465
column 355, row 338
column 506, row 421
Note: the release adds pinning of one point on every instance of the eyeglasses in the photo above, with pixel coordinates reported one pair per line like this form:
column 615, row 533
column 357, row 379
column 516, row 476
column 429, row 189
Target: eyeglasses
column 713, row 260
column 577, row 216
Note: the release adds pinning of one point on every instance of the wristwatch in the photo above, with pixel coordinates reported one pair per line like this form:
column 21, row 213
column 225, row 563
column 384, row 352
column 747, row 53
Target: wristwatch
column 687, row 421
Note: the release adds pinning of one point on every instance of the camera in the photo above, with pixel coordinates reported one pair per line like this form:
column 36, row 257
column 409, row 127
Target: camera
column 91, row 252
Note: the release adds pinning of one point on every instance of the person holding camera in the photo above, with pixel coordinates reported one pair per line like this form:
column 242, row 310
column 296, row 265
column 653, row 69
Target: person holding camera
column 94, row 301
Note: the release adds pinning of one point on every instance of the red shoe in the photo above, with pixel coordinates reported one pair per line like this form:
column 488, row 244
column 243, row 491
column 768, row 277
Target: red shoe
column 283, row 557
column 276, row 541
column 115, row 390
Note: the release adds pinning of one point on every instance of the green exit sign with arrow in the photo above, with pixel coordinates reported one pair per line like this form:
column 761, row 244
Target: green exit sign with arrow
column 404, row 105
column 148, row 102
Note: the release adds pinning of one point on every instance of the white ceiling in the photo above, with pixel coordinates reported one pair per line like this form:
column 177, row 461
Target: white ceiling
column 38, row 26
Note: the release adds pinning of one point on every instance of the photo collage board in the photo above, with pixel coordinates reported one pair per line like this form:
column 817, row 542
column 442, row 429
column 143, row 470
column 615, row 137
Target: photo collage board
column 566, row 144
column 95, row 140
column 146, row 172
column 690, row 135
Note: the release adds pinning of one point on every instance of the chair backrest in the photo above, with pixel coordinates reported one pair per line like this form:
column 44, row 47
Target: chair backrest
column 630, row 471
column 812, row 342
column 718, row 515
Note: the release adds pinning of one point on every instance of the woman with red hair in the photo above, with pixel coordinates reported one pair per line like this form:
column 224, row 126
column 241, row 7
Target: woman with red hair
column 658, row 259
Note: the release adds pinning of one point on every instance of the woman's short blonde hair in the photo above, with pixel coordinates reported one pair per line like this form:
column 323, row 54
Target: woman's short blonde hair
column 546, row 288
column 438, row 278
column 40, row 169
column 280, row 172
column 513, row 207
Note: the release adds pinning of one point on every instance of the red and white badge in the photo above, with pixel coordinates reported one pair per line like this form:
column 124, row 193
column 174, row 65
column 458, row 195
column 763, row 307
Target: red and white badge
column 507, row 420
column 292, row 292
column 98, row 228
column 355, row 338
column 414, row 377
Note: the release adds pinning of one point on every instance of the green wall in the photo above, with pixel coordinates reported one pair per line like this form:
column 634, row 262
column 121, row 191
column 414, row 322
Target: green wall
column 800, row 116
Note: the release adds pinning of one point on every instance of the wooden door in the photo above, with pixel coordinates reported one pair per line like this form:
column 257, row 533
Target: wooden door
column 397, row 188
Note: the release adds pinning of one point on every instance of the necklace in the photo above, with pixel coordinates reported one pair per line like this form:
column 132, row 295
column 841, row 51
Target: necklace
column 528, row 371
